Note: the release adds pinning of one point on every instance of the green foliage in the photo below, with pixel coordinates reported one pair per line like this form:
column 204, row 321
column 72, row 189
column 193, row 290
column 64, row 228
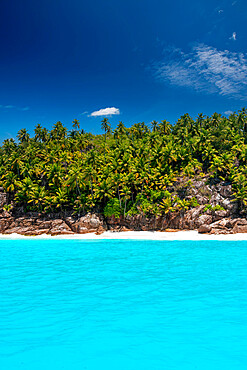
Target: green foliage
column 143, row 205
column 240, row 189
column 213, row 208
column 193, row 202
column 167, row 203
column 125, row 170
column 7, row 207
column 112, row 208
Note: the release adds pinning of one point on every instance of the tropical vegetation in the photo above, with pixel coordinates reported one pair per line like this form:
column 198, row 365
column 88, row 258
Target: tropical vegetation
column 126, row 170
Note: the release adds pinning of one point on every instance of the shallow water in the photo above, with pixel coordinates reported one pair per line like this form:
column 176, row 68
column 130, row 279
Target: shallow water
column 71, row 304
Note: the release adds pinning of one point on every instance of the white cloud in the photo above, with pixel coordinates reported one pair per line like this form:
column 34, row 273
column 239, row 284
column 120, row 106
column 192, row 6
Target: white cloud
column 14, row 107
column 228, row 112
column 204, row 69
column 233, row 37
column 105, row 112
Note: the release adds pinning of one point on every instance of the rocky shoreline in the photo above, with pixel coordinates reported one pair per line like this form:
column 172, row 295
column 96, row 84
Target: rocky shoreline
column 206, row 218
column 31, row 225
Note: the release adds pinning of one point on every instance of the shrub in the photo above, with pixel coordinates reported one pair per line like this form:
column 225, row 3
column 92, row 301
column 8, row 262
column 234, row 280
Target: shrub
column 213, row 208
column 112, row 208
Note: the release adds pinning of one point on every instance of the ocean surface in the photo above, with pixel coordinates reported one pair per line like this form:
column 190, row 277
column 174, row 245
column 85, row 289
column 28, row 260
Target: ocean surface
column 120, row 304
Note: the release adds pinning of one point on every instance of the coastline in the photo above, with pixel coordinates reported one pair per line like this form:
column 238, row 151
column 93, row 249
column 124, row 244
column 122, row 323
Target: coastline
column 133, row 235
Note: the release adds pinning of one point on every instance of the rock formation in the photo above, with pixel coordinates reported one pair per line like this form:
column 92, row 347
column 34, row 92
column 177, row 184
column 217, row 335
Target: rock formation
column 216, row 213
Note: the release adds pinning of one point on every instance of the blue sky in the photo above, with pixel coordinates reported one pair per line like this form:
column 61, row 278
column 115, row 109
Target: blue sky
column 145, row 60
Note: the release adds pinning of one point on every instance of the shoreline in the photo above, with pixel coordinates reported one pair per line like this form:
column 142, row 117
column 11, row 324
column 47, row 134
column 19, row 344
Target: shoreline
column 186, row 235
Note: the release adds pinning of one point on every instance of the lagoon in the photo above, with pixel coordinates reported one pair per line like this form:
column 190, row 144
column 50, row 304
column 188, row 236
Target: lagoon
column 123, row 304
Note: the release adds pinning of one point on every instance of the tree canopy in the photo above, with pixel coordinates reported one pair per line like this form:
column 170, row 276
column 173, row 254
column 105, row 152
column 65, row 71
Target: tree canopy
column 125, row 170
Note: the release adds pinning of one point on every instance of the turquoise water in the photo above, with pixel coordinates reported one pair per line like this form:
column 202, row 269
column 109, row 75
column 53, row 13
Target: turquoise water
column 123, row 305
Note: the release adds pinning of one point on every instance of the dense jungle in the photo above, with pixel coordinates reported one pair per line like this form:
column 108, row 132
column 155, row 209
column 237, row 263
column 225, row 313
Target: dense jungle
column 142, row 169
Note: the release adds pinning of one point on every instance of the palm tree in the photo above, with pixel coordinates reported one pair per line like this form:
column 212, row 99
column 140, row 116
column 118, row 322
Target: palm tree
column 76, row 124
column 105, row 125
column 38, row 133
column 165, row 127
column 58, row 132
column 240, row 190
column 121, row 128
column 23, row 136
column 8, row 146
column 154, row 125
column 60, row 198
column 9, row 181
column 107, row 128
column 134, row 166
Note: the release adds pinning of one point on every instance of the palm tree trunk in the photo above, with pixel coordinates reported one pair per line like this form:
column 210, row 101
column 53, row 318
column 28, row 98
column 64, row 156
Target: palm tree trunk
column 125, row 207
column 91, row 186
column 119, row 196
column 78, row 189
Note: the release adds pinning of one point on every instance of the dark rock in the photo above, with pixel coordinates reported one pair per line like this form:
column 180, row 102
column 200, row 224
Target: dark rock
column 199, row 184
column 203, row 220
column 216, row 199
column 70, row 221
column 221, row 224
column 89, row 223
column 3, row 199
column 43, row 224
column 191, row 217
column 37, row 232
column 24, row 222
column 240, row 221
column 124, row 228
column 226, row 191
column 175, row 221
column 59, row 227
column 240, row 229
column 202, row 199
column 5, row 223
column 217, row 231
column 218, row 215
column 19, row 230
column 239, row 225
column 5, row 214
column 229, row 205
column 204, row 229
column 57, row 223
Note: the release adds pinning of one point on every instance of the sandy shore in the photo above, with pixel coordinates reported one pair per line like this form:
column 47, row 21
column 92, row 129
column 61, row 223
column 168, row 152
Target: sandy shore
column 135, row 235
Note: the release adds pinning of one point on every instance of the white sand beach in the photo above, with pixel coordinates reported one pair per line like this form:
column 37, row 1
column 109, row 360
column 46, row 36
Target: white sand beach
column 135, row 235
